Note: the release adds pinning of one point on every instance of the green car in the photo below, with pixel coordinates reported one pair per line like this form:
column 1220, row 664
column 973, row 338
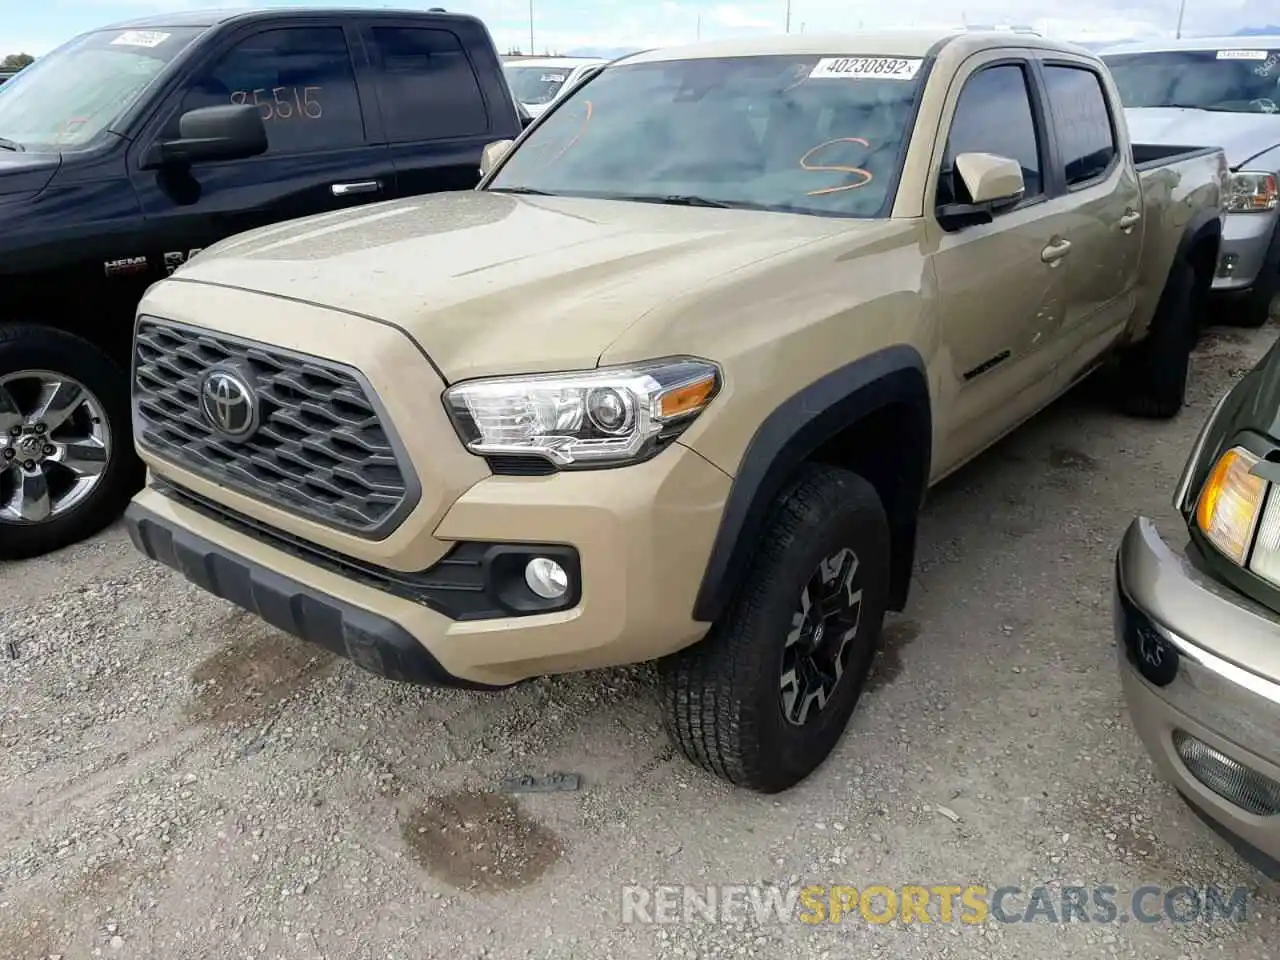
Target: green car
column 1198, row 627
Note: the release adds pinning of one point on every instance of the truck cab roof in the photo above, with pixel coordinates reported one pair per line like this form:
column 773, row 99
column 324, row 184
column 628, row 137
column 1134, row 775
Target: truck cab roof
column 216, row 16
column 899, row 43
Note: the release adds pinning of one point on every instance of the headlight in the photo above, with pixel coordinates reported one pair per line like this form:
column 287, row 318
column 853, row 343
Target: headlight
column 1252, row 193
column 603, row 417
column 1227, row 511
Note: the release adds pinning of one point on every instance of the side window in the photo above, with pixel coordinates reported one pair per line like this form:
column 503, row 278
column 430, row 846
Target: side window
column 426, row 86
column 993, row 115
column 1083, row 123
column 300, row 78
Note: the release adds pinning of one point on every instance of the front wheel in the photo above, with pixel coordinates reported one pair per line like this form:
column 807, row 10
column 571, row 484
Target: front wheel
column 67, row 464
column 763, row 700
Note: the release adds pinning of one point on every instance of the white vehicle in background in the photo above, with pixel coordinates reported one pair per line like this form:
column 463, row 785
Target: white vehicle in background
column 537, row 81
column 1222, row 91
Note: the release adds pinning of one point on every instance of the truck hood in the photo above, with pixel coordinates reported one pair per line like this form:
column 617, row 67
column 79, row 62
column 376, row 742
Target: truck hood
column 497, row 283
column 1242, row 136
column 26, row 172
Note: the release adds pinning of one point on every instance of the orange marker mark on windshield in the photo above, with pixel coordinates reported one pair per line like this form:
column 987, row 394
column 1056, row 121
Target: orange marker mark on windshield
column 574, row 139
column 866, row 175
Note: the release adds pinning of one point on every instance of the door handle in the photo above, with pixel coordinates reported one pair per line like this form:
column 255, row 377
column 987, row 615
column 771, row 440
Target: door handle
column 360, row 186
column 1055, row 251
column 1130, row 218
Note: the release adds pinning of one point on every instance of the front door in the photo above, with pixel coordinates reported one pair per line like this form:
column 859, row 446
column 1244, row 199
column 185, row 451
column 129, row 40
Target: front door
column 303, row 79
column 1000, row 294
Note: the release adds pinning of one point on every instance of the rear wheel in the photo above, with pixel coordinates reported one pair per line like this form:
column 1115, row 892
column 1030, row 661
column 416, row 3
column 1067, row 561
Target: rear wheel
column 1152, row 375
column 67, row 465
column 763, row 700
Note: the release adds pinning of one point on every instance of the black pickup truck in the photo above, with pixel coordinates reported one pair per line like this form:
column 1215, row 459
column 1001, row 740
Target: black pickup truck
column 127, row 150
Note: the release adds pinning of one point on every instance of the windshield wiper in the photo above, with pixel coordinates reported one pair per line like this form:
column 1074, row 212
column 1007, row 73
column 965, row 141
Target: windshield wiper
column 13, row 145
column 527, row 191
column 673, row 200
column 1195, row 106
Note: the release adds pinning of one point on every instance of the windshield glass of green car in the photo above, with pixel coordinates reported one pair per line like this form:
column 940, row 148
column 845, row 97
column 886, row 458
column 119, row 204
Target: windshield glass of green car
column 805, row 134
column 69, row 98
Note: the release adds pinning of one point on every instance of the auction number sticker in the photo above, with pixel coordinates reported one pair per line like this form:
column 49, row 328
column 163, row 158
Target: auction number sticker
column 865, row 68
column 1242, row 54
column 140, row 38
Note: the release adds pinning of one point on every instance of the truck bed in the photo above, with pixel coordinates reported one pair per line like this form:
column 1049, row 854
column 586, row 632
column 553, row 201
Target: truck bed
column 1177, row 183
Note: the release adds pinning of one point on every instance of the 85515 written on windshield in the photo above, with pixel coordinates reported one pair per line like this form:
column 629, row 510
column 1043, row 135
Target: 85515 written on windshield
column 816, row 135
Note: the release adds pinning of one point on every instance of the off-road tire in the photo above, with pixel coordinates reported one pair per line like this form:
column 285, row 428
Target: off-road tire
column 1151, row 377
column 721, row 697
column 32, row 347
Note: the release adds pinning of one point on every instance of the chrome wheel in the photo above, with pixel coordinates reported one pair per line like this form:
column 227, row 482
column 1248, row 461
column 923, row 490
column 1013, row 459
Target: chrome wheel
column 823, row 629
column 54, row 445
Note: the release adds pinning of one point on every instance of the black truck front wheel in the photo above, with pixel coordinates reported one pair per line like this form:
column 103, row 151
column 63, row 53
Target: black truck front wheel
column 67, row 464
column 765, row 697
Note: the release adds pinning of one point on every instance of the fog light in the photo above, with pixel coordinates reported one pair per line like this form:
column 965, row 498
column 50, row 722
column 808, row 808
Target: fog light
column 1227, row 264
column 546, row 578
column 1247, row 788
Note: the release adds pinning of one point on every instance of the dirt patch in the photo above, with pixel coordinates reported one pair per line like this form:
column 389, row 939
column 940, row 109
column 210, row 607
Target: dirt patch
column 53, row 928
column 255, row 670
column 888, row 664
column 480, row 841
column 1118, row 820
column 1065, row 458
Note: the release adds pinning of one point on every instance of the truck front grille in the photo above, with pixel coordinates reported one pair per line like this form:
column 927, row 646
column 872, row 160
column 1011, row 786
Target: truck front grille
column 322, row 448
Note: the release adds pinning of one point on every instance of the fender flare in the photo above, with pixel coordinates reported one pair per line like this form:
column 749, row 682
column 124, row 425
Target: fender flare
column 791, row 434
column 1205, row 224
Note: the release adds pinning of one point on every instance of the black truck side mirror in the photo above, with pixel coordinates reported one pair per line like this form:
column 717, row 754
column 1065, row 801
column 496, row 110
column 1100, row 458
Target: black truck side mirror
column 230, row 132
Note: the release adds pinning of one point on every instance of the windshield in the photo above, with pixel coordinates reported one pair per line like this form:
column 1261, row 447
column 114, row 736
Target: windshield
column 536, row 85
column 805, row 134
column 68, row 98
column 1236, row 81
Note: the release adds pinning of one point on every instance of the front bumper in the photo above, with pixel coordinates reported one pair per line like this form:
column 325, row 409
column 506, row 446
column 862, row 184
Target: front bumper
column 640, row 537
column 1205, row 712
column 1246, row 238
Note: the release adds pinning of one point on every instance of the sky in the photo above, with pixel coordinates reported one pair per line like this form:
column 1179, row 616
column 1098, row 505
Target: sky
column 564, row 25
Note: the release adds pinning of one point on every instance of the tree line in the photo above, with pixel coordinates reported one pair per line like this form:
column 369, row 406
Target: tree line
column 16, row 61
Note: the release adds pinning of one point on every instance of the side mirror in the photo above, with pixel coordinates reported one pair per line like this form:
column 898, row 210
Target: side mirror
column 991, row 179
column 994, row 184
column 231, row 132
column 493, row 154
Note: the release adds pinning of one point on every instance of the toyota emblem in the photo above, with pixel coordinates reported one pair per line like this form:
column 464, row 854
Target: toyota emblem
column 229, row 403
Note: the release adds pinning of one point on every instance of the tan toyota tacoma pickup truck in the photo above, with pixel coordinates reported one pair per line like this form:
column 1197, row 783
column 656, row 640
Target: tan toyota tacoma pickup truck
column 671, row 384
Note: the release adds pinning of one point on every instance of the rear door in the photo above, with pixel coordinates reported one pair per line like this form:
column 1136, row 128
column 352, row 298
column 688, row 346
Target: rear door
column 435, row 114
column 302, row 74
column 1088, row 163
column 1001, row 300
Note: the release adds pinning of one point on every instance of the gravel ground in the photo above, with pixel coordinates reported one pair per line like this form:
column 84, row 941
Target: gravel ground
column 179, row 781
